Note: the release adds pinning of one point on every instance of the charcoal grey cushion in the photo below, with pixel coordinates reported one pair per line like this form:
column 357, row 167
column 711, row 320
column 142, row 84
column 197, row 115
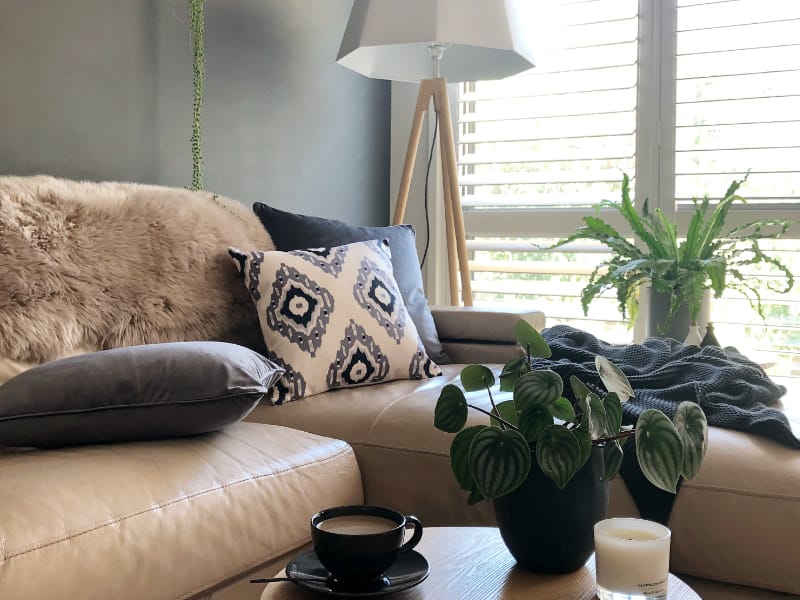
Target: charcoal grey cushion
column 290, row 231
column 134, row 393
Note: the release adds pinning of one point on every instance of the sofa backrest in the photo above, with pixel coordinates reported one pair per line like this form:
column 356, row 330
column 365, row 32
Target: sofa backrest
column 87, row 266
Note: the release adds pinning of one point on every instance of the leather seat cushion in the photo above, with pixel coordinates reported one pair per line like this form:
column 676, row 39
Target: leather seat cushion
column 163, row 519
column 737, row 521
column 401, row 455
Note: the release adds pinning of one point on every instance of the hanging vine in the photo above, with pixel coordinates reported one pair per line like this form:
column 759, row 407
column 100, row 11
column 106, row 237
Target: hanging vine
column 196, row 39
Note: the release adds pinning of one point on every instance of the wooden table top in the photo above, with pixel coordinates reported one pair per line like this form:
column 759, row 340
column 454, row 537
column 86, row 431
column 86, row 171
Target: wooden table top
column 472, row 563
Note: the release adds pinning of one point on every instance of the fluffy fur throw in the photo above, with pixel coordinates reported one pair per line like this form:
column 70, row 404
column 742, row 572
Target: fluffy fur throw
column 87, row 266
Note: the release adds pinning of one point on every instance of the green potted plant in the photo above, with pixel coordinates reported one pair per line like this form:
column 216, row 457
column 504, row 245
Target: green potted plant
column 682, row 266
column 546, row 461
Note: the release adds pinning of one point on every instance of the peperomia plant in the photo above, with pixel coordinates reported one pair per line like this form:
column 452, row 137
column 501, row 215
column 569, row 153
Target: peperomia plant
column 492, row 460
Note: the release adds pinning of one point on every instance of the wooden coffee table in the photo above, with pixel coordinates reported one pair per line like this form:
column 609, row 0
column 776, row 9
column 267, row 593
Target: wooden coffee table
column 472, row 563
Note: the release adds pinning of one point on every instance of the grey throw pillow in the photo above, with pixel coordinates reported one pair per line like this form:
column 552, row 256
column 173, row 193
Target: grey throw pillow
column 134, row 393
column 290, row 231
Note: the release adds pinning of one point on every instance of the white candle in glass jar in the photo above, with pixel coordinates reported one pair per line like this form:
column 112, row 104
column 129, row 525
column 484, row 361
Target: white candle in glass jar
column 631, row 558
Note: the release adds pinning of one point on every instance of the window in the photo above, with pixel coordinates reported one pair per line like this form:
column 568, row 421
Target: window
column 538, row 149
column 684, row 96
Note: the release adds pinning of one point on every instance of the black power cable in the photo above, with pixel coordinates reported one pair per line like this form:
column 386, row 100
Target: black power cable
column 427, row 176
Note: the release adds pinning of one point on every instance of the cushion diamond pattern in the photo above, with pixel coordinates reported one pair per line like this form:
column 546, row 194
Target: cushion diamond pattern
column 333, row 317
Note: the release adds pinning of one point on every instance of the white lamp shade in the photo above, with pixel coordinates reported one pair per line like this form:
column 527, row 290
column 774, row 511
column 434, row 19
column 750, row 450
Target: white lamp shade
column 389, row 39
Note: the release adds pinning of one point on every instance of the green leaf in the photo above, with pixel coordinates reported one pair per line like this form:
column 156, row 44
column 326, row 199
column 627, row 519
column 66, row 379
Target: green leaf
column 476, row 377
column 512, row 371
column 514, row 365
column 659, row 448
column 613, row 413
column 612, row 457
column 586, row 414
column 533, row 421
column 562, row 409
column 628, row 211
column 538, row 387
column 474, row 497
column 459, row 456
column 690, row 421
column 450, row 414
column 597, row 420
column 507, row 381
column 559, row 454
column 613, row 378
column 531, row 340
column 499, row 461
column 579, row 389
column 507, row 411
column 585, row 443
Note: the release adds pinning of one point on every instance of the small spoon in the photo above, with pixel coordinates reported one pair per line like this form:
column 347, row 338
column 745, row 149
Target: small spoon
column 275, row 579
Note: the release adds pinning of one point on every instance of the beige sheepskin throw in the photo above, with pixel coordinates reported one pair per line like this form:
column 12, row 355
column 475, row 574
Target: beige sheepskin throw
column 86, row 266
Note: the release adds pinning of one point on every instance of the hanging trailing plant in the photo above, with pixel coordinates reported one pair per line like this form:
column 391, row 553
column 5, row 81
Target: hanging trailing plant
column 196, row 39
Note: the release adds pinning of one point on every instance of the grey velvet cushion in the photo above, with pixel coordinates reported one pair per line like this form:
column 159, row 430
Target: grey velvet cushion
column 290, row 231
column 134, row 393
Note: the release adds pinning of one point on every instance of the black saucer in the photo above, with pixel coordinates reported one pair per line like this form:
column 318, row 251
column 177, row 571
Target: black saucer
column 409, row 569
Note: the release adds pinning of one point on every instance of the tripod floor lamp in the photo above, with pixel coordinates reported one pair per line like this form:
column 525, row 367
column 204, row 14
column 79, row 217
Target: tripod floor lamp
column 433, row 42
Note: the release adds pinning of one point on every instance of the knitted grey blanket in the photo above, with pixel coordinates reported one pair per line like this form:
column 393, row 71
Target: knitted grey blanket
column 734, row 392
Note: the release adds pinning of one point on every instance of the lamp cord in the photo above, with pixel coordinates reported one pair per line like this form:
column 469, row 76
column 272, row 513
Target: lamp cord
column 427, row 176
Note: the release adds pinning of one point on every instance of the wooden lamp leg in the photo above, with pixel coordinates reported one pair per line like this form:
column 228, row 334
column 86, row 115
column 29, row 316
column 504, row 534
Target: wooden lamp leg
column 450, row 231
column 454, row 219
column 423, row 100
column 441, row 104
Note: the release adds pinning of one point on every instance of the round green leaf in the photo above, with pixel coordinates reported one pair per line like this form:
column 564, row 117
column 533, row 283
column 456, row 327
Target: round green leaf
column 585, row 443
column 531, row 340
column 512, row 371
column 690, row 421
column 613, row 378
column 507, row 411
column 586, row 413
column 659, row 449
column 533, row 421
column 459, row 456
column 499, row 461
column 579, row 389
column 613, row 409
column 597, row 420
column 562, row 409
column 538, row 387
column 559, row 454
column 507, row 381
column 475, row 496
column 612, row 457
column 450, row 414
column 476, row 377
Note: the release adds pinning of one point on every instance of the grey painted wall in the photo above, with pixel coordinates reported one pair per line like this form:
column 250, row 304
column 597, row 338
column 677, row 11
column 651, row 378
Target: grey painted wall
column 102, row 89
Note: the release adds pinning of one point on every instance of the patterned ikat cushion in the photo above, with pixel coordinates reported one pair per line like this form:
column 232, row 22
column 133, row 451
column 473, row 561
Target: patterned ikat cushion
column 333, row 317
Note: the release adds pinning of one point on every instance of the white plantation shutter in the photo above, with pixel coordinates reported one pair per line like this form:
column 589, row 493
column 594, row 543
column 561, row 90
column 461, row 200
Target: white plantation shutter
column 737, row 108
column 689, row 94
column 738, row 99
column 537, row 149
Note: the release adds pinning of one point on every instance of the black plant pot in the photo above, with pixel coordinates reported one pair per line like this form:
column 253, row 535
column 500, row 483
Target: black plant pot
column 548, row 530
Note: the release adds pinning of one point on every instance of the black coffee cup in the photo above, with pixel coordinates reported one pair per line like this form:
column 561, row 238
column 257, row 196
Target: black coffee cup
column 358, row 543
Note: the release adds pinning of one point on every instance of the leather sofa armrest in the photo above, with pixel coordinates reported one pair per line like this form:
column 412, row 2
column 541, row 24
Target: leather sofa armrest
column 481, row 335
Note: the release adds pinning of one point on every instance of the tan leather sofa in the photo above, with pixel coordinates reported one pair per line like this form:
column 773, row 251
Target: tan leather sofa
column 735, row 527
column 197, row 517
